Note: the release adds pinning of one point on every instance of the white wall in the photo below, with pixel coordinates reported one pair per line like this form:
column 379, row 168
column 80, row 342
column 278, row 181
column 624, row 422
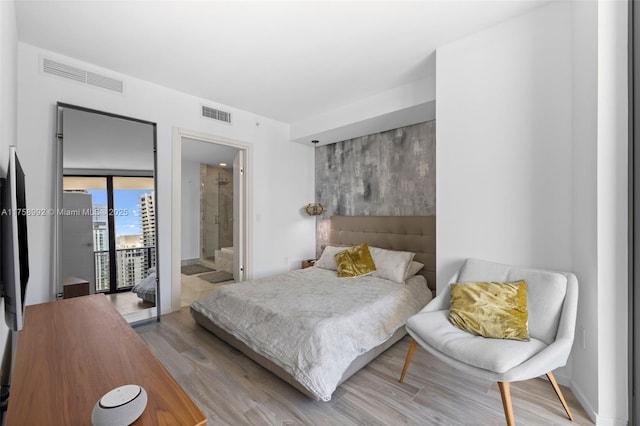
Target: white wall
column 190, row 223
column 585, row 251
column 280, row 188
column 8, row 81
column 504, row 144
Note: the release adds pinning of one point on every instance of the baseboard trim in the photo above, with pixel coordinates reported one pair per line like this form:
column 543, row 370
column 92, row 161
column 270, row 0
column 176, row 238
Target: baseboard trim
column 593, row 415
column 187, row 262
column 607, row 421
column 582, row 399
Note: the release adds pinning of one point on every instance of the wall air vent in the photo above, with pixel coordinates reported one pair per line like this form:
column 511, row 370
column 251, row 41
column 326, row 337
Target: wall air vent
column 67, row 71
column 62, row 70
column 105, row 82
column 216, row 114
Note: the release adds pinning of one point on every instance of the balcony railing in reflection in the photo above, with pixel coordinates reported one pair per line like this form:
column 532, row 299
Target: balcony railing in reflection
column 132, row 265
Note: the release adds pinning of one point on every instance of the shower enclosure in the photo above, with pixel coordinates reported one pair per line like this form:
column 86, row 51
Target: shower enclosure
column 216, row 217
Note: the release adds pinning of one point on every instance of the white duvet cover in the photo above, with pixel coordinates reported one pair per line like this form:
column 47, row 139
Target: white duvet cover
column 312, row 323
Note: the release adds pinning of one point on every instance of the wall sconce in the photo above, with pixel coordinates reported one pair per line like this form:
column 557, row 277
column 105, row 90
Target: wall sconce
column 314, row 209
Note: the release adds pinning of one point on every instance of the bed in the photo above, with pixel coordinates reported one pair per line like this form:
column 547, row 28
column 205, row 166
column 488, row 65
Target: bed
column 146, row 288
column 326, row 328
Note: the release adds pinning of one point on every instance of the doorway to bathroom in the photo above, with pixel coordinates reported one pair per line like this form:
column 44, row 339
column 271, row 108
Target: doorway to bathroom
column 211, row 201
column 207, row 237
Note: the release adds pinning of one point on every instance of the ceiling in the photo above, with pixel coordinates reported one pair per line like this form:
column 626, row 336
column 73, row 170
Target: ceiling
column 207, row 153
column 95, row 141
column 288, row 61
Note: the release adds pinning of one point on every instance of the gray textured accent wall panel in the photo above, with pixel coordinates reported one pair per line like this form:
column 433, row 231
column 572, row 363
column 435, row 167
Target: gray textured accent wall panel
column 392, row 173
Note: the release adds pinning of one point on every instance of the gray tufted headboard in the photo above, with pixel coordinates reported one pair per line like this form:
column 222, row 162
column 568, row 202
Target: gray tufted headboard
column 416, row 234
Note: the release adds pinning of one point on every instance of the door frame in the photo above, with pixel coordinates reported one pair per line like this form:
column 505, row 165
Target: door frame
column 246, row 243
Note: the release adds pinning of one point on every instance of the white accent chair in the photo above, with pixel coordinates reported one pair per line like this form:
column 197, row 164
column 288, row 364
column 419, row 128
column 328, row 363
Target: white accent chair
column 552, row 300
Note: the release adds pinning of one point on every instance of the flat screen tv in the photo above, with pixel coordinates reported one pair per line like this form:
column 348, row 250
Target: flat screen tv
column 15, row 256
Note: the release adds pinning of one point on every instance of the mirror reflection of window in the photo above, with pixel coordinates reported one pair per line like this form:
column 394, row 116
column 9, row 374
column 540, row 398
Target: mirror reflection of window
column 105, row 233
column 134, row 217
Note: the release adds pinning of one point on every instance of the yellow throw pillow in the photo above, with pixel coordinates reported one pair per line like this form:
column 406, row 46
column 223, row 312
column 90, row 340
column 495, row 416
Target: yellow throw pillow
column 355, row 261
column 491, row 309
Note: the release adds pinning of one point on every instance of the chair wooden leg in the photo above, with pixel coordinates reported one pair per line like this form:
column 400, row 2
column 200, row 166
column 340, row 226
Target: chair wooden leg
column 407, row 360
column 505, row 393
column 559, row 393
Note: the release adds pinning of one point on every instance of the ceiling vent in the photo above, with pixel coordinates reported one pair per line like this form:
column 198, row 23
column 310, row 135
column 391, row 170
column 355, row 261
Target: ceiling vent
column 216, row 114
column 72, row 73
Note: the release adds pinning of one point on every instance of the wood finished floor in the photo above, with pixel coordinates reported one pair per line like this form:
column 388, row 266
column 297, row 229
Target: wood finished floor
column 233, row 390
column 193, row 287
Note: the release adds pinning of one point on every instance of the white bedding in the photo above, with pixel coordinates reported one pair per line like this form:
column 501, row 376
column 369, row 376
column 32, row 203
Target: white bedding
column 312, row 323
column 146, row 288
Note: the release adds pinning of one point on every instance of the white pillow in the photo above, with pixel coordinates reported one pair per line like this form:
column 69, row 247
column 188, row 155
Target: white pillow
column 414, row 268
column 328, row 258
column 390, row 264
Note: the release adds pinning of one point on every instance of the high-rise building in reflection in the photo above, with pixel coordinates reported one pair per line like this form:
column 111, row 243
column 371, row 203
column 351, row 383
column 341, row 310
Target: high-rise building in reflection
column 101, row 246
column 131, row 260
column 148, row 218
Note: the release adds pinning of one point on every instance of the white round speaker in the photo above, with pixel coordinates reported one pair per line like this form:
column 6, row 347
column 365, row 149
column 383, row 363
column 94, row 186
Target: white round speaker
column 120, row 406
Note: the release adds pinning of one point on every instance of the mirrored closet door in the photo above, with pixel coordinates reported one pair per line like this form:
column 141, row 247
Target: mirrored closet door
column 105, row 199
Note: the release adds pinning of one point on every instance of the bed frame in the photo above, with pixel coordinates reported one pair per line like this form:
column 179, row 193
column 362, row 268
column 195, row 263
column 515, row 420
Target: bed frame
column 406, row 233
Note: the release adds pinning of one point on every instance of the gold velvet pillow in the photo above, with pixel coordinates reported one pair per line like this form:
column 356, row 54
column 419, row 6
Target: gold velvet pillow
column 355, row 261
column 491, row 309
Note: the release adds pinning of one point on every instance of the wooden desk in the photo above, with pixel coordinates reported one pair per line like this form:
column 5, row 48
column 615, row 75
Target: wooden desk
column 71, row 352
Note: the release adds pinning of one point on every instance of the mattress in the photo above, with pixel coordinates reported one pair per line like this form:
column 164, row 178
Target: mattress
column 312, row 324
